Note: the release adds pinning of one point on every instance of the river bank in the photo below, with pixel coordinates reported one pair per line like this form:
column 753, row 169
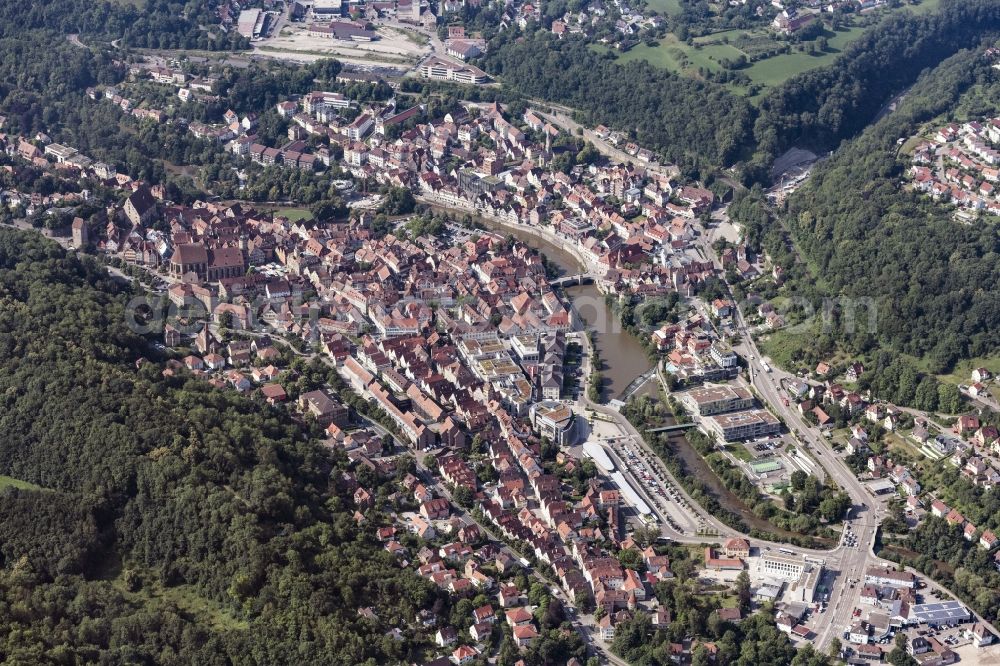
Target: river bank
column 624, row 358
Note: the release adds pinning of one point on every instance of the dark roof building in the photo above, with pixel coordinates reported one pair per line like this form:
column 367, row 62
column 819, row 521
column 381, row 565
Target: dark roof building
column 140, row 206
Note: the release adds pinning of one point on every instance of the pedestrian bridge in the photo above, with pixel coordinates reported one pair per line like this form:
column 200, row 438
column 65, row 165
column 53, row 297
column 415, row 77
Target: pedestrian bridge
column 673, row 428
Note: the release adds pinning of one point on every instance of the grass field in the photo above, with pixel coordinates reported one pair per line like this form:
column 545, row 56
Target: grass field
column 780, row 68
column 11, row 482
column 902, row 448
column 926, row 7
column 783, row 346
column 708, row 50
column 740, row 451
column 729, row 601
column 185, row 598
column 962, row 374
column 418, row 38
column 672, row 7
column 719, row 36
column 294, row 214
column 910, row 144
column 679, row 57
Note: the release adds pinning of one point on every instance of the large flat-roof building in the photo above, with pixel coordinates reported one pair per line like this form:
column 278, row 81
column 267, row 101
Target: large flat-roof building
column 442, row 70
column 744, row 425
column 802, row 576
column 804, row 587
column 553, row 420
column 939, row 613
column 327, row 8
column 883, row 576
column 246, row 24
column 708, row 400
column 342, row 30
column 783, row 567
column 60, row 152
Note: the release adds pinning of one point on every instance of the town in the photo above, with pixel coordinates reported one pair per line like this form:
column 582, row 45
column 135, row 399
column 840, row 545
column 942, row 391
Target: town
column 456, row 360
column 957, row 163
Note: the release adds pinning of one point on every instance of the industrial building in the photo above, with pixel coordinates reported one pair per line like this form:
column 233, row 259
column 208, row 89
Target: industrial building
column 939, row 613
column 249, row 22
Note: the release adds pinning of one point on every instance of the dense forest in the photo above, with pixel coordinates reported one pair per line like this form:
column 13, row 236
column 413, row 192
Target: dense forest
column 151, row 23
column 685, row 120
column 859, row 235
column 175, row 523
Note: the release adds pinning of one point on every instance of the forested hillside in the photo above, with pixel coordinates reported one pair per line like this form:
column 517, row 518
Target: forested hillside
column 178, row 524
column 858, row 233
column 684, row 119
column 820, row 108
column 150, row 23
column 702, row 124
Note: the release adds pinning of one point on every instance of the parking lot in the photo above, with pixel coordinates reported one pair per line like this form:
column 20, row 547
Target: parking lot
column 647, row 472
column 762, row 447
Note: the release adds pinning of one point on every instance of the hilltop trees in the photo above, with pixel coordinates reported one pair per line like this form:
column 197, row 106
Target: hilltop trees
column 705, row 122
column 151, row 24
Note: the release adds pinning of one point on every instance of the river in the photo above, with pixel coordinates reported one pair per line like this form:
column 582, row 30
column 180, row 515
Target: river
column 624, row 358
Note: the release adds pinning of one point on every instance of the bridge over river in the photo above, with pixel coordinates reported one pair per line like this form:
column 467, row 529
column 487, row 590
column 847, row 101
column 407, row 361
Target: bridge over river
column 572, row 280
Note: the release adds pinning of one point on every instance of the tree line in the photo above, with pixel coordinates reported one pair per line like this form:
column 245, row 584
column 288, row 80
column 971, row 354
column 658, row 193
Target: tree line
column 150, row 24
